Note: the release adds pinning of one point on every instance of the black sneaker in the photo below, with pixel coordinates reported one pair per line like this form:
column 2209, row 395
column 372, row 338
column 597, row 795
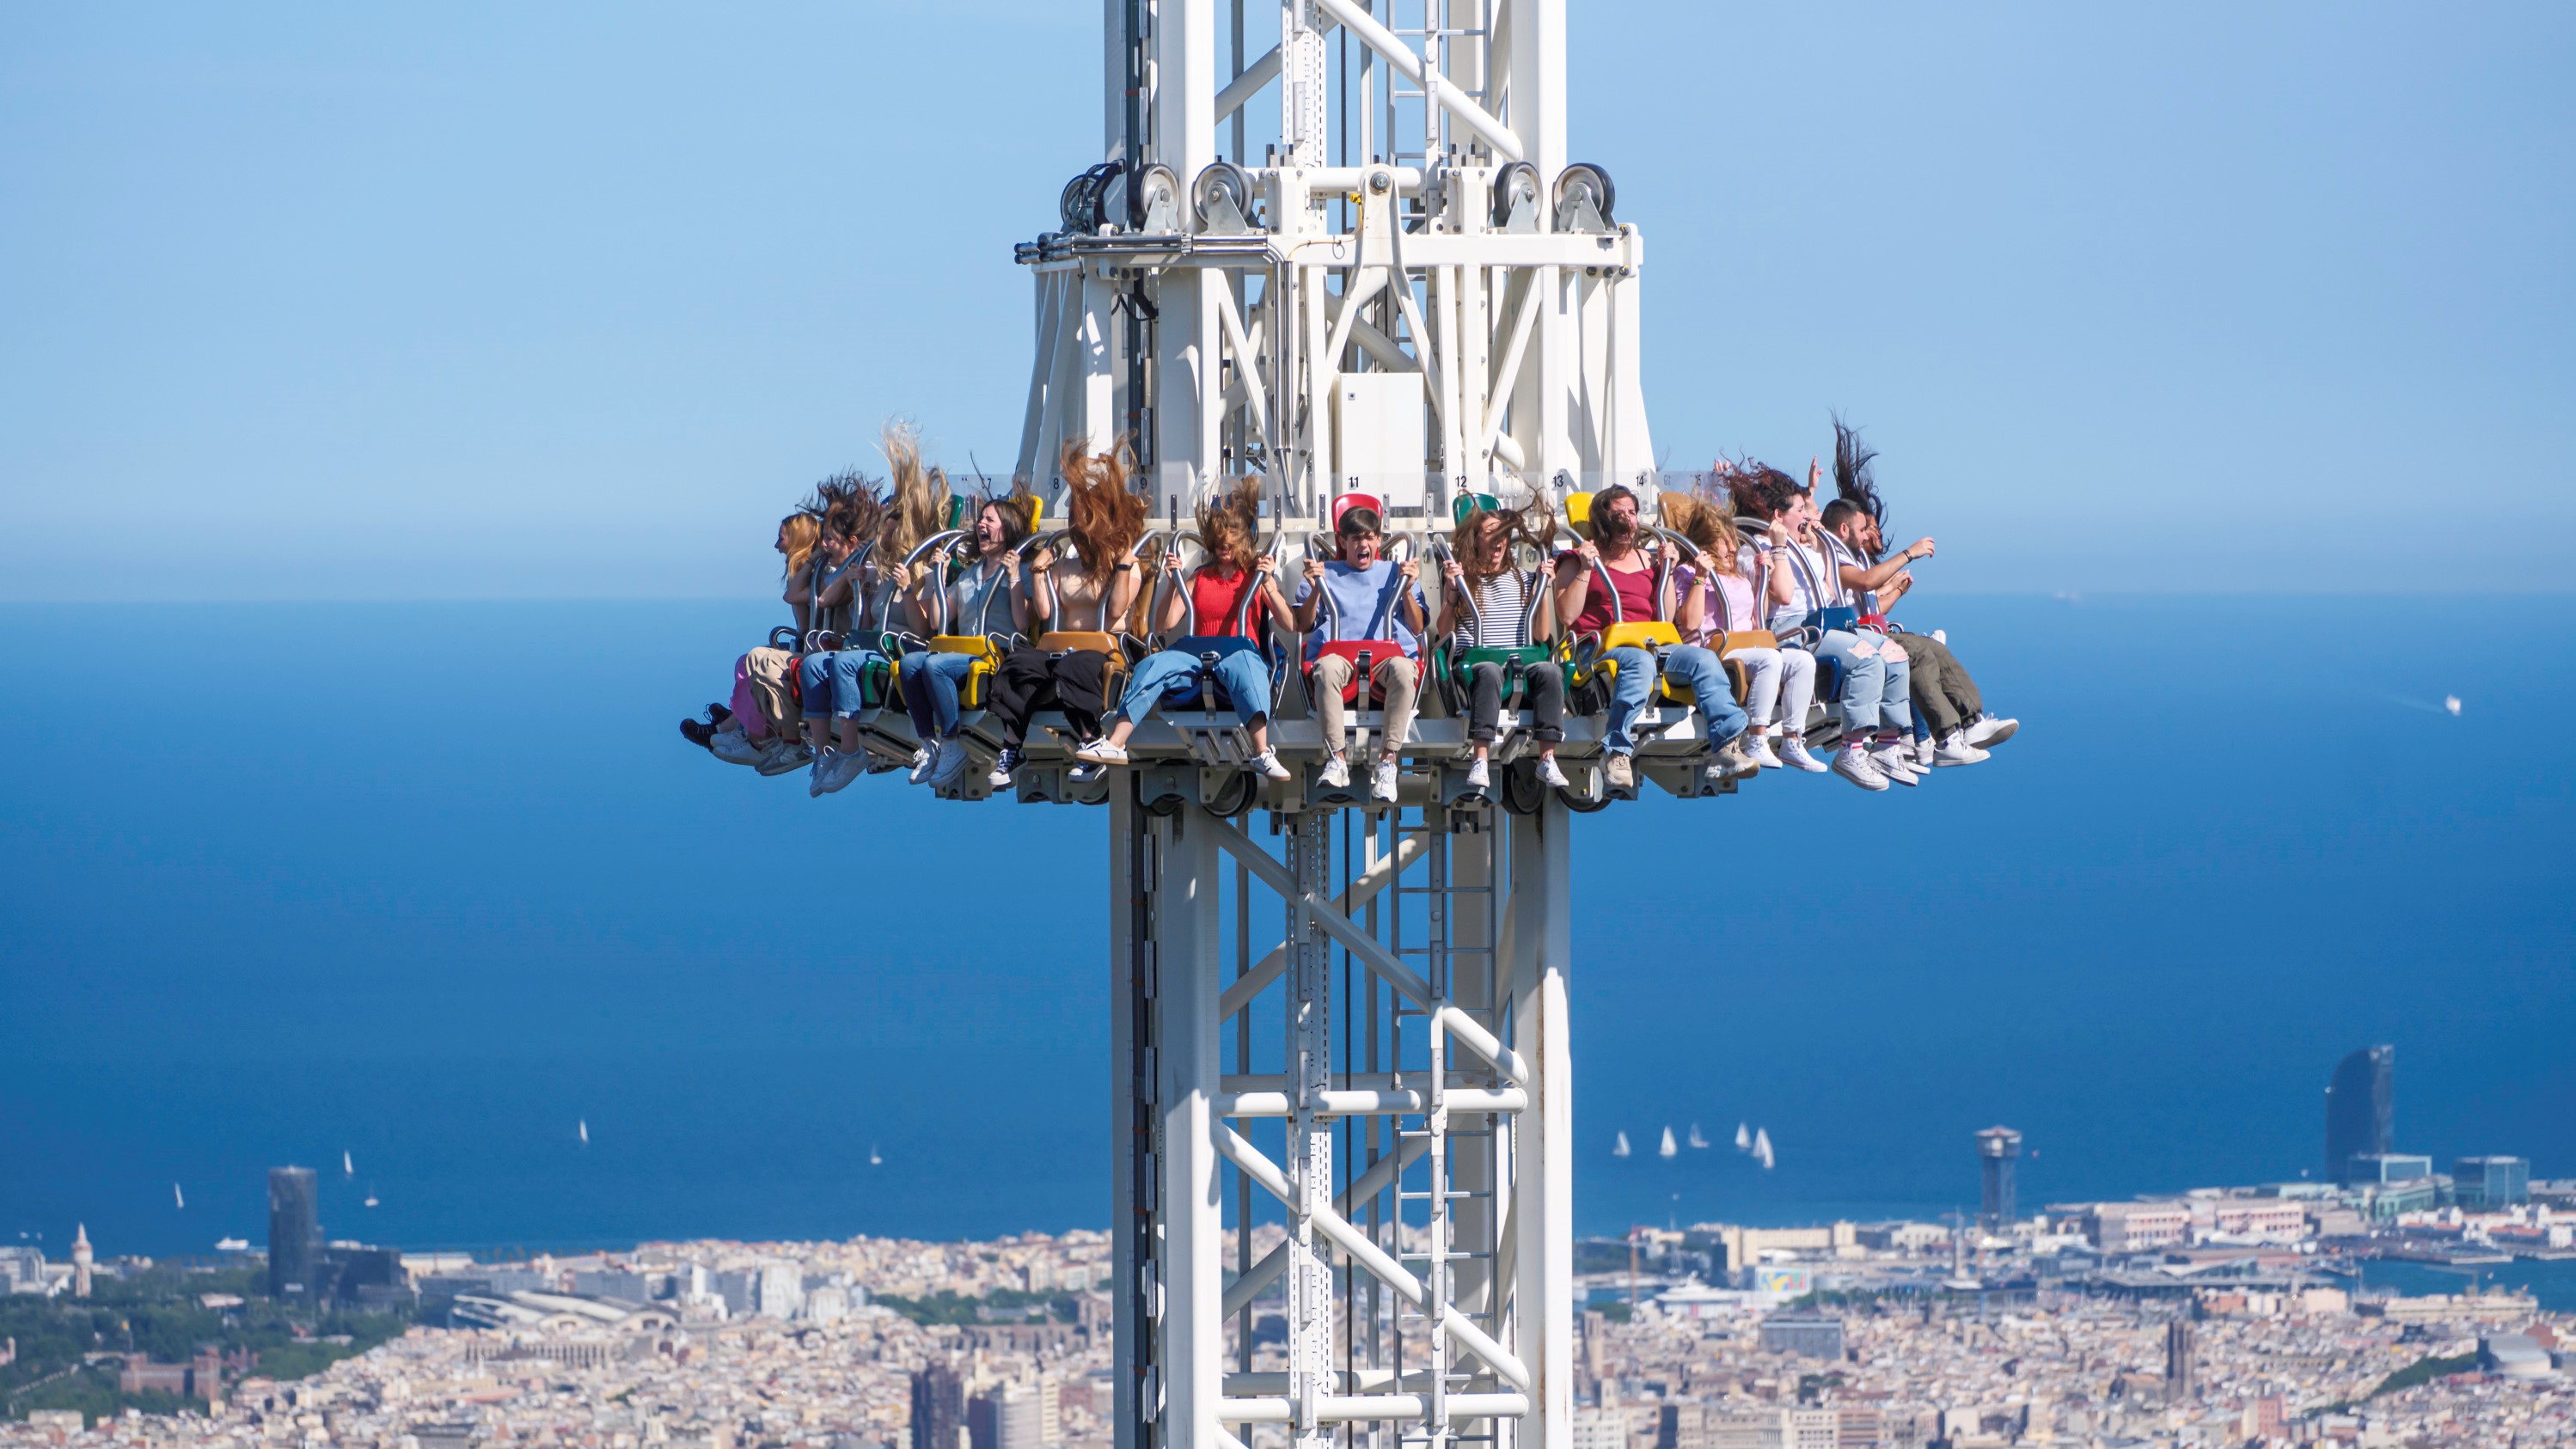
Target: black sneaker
column 699, row 733
column 719, row 716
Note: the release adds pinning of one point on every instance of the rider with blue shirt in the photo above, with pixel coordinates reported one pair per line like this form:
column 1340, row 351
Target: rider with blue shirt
column 1361, row 597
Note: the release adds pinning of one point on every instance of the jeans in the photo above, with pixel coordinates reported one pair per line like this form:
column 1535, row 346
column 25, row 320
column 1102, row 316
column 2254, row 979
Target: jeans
column 1942, row 692
column 1780, row 684
column 1242, row 675
column 1543, row 685
column 1685, row 664
column 1398, row 682
column 829, row 683
column 930, row 691
column 1874, row 685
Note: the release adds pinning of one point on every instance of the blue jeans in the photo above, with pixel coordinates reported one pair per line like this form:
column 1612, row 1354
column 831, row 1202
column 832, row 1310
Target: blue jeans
column 1684, row 664
column 1877, row 691
column 1243, row 676
column 930, row 692
column 830, row 682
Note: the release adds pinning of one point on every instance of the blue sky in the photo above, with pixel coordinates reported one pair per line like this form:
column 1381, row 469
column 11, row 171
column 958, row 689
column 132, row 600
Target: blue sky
column 494, row 301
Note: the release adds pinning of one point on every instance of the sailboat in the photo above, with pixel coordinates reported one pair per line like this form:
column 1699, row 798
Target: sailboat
column 232, row 1245
column 1622, row 1149
column 1696, row 1140
column 1668, row 1149
column 371, row 1194
column 585, row 1132
column 1743, row 1138
column 176, row 1193
column 347, row 1168
column 1762, row 1148
column 874, row 1160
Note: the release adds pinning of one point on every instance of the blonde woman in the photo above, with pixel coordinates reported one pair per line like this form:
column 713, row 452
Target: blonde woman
column 1714, row 598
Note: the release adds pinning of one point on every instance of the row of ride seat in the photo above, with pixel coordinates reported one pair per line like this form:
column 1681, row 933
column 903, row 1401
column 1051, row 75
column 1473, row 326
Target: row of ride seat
column 1194, row 749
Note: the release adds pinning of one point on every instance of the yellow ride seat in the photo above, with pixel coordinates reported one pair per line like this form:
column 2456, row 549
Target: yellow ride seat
column 988, row 660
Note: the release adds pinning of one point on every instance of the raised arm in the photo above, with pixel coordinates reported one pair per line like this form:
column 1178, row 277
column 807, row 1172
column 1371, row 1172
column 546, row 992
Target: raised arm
column 1862, row 580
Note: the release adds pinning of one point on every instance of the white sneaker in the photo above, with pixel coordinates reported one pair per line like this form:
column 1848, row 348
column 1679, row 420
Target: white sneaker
column 1989, row 731
column 1758, row 749
column 1003, row 768
column 1923, row 751
column 733, row 748
column 1620, row 771
column 1732, row 763
column 1854, row 766
column 1267, row 762
column 822, row 767
column 1337, row 773
column 1480, row 776
column 1896, row 762
column 781, row 757
column 1957, row 751
column 841, row 770
column 1101, row 752
column 953, row 760
column 1382, row 782
column 924, row 761
column 1550, row 775
column 1793, row 754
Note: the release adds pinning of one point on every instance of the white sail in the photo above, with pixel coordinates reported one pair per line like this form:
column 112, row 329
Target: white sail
column 347, row 1168
column 371, row 1197
column 1622, row 1149
column 585, row 1132
column 1668, row 1149
column 1696, row 1138
column 873, row 1159
column 181, row 1196
column 1743, row 1138
column 1762, row 1147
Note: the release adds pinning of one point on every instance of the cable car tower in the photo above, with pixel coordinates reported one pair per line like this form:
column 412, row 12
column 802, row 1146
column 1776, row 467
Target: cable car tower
column 1344, row 1190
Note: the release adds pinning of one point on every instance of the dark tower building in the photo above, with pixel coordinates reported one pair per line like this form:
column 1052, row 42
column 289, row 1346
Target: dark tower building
column 2361, row 1109
column 294, row 1231
column 1996, row 1149
column 2179, row 1378
column 938, row 1407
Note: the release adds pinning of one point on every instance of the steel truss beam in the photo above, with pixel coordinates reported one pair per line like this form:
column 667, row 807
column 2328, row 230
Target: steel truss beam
column 1406, row 1035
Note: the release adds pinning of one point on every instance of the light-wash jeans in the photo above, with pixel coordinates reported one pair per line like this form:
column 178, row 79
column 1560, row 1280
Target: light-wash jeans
column 1243, row 674
column 1684, row 664
column 1875, row 685
column 1780, row 685
column 930, row 691
column 830, row 682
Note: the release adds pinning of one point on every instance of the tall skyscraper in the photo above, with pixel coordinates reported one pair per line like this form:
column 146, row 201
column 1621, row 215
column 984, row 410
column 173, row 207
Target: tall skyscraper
column 294, row 1231
column 2361, row 1109
column 938, row 1407
column 1996, row 1149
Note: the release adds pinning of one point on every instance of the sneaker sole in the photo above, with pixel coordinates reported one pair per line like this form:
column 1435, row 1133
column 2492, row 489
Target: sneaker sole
column 1998, row 737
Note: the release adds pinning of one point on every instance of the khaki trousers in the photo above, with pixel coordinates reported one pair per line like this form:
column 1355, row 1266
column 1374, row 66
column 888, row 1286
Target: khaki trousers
column 1397, row 679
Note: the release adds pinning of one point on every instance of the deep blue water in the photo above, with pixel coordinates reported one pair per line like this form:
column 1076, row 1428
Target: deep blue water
column 434, row 883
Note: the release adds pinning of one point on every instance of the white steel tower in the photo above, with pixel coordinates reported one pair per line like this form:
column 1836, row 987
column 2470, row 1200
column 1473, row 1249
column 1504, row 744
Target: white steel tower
column 1338, row 244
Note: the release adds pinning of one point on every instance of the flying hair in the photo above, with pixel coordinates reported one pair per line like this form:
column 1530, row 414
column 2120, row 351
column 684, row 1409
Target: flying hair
column 1760, row 490
column 1516, row 526
column 1852, row 482
column 919, row 497
column 1103, row 514
column 1237, row 507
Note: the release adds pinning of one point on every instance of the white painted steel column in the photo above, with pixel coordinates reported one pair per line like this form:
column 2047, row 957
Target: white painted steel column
column 1130, row 1135
column 1310, row 1134
column 1542, row 1224
column 1191, row 1208
column 1188, row 394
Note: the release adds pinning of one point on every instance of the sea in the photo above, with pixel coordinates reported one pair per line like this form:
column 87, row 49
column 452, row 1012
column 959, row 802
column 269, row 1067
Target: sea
column 439, row 887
